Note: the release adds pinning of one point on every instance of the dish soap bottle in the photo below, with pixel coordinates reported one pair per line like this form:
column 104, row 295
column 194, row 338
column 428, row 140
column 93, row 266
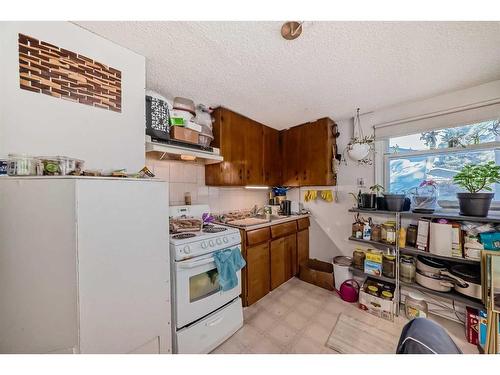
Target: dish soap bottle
column 367, row 232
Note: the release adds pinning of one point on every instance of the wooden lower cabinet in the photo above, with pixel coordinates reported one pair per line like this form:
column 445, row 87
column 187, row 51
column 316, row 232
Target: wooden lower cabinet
column 273, row 255
column 257, row 272
column 302, row 247
column 283, row 259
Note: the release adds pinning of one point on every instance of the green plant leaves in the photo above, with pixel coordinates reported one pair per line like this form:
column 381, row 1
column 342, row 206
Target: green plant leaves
column 477, row 177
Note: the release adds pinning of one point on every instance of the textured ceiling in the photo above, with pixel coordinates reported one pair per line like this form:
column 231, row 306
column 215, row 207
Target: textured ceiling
column 330, row 70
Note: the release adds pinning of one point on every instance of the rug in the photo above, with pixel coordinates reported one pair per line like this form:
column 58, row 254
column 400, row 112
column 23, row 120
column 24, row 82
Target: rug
column 352, row 336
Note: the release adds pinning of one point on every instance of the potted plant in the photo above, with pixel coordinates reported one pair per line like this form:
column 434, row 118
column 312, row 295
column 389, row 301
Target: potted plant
column 476, row 178
column 379, row 198
column 360, row 146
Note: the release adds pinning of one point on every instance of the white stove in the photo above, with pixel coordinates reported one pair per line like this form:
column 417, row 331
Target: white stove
column 204, row 315
column 211, row 238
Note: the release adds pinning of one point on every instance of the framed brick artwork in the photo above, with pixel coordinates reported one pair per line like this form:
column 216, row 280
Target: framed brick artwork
column 47, row 69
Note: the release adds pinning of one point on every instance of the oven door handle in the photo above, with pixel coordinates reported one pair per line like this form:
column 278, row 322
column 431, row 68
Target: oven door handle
column 195, row 264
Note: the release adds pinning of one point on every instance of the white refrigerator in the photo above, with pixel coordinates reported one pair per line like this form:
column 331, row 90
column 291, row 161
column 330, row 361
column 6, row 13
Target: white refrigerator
column 84, row 265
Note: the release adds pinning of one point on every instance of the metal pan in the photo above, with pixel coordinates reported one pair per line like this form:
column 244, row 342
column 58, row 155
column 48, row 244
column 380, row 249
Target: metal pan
column 434, row 281
column 471, row 277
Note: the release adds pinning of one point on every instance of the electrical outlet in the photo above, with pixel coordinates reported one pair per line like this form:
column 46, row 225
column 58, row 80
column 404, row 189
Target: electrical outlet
column 360, row 182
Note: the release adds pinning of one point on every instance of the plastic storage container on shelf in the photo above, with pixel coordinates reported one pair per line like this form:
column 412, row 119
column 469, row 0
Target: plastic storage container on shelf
column 184, row 104
column 206, row 137
column 22, row 165
column 415, row 305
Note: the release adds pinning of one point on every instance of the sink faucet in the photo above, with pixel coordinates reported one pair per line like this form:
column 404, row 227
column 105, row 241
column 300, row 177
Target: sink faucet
column 255, row 211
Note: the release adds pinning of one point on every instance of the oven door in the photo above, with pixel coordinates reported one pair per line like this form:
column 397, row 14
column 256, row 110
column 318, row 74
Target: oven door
column 197, row 289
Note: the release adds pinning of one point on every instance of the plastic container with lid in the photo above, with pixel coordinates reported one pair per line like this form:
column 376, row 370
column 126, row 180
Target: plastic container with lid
column 184, row 104
column 22, row 165
column 206, row 136
column 341, row 270
column 52, row 165
column 411, row 235
column 415, row 305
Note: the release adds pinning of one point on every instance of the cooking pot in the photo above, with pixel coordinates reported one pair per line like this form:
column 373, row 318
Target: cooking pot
column 430, row 265
column 471, row 277
column 434, row 281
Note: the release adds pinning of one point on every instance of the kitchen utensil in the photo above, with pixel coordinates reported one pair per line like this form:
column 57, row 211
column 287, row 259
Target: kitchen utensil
column 471, row 276
column 426, row 264
column 349, row 291
column 433, row 281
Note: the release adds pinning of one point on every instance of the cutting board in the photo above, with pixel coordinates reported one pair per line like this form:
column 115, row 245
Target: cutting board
column 248, row 222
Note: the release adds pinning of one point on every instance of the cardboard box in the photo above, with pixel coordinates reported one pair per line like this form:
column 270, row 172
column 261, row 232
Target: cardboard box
column 382, row 308
column 317, row 272
column 472, row 326
column 373, row 268
column 183, row 134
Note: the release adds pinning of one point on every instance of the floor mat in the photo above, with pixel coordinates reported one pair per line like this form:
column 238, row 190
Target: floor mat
column 352, row 336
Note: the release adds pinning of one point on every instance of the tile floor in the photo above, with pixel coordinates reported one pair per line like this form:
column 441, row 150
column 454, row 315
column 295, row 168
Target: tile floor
column 297, row 318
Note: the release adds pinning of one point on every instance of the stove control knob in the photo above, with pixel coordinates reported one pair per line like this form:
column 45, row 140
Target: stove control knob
column 187, row 250
column 219, row 241
column 203, row 245
column 211, row 243
column 225, row 240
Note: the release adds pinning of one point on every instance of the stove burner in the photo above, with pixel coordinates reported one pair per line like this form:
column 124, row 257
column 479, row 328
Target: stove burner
column 212, row 229
column 182, row 236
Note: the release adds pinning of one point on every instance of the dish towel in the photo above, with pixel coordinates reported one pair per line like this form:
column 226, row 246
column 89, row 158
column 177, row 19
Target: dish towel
column 228, row 262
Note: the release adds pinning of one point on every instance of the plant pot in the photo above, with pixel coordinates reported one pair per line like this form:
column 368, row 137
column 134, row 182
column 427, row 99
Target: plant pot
column 394, row 202
column 381, row 203
column 367, row 201
column 358, row 151
column 474, row 204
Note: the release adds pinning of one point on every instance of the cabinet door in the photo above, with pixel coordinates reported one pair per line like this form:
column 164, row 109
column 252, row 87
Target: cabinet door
column 302, row 246
column 253, row 152
column 278, row 260
column 291, row 156
column 317, row 150
column 258, row 278
column 291, row 266
column 229, row 132
column 271, row 156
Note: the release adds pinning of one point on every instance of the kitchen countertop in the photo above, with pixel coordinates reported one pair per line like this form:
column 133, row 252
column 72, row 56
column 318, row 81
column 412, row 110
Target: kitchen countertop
column 267, row 224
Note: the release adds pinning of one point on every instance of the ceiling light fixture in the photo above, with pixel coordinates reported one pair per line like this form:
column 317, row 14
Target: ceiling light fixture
column 256, row 187
column 291, row 30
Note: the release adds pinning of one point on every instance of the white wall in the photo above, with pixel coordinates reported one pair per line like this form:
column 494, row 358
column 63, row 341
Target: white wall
column 190, row 177
column 39, row 124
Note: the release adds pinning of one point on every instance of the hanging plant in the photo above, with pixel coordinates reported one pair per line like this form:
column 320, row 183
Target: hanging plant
column 360, row 148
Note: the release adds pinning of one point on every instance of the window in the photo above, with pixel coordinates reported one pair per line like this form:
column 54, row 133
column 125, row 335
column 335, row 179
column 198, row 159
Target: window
column 438, row 155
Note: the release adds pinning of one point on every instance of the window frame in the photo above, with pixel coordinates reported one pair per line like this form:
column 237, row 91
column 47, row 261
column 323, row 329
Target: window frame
column 383, row 157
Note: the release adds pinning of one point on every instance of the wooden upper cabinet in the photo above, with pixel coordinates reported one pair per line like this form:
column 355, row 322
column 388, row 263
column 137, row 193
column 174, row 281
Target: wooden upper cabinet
column 253, row 158
column 291, row 156
column 255, row 154
column 307, row 153
column 271, row 156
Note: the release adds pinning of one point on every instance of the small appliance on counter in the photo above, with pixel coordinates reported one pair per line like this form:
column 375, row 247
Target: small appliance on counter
column 286, row 207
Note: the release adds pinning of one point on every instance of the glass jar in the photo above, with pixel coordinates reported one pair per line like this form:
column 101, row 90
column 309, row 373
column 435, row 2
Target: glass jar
column 389, row 227
column 357, row 230
column 407, row 269
column 373, row 290
column 376, row 232
column 411, row 235
column 389, row 265
column 358, row 259
column 386, row 294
